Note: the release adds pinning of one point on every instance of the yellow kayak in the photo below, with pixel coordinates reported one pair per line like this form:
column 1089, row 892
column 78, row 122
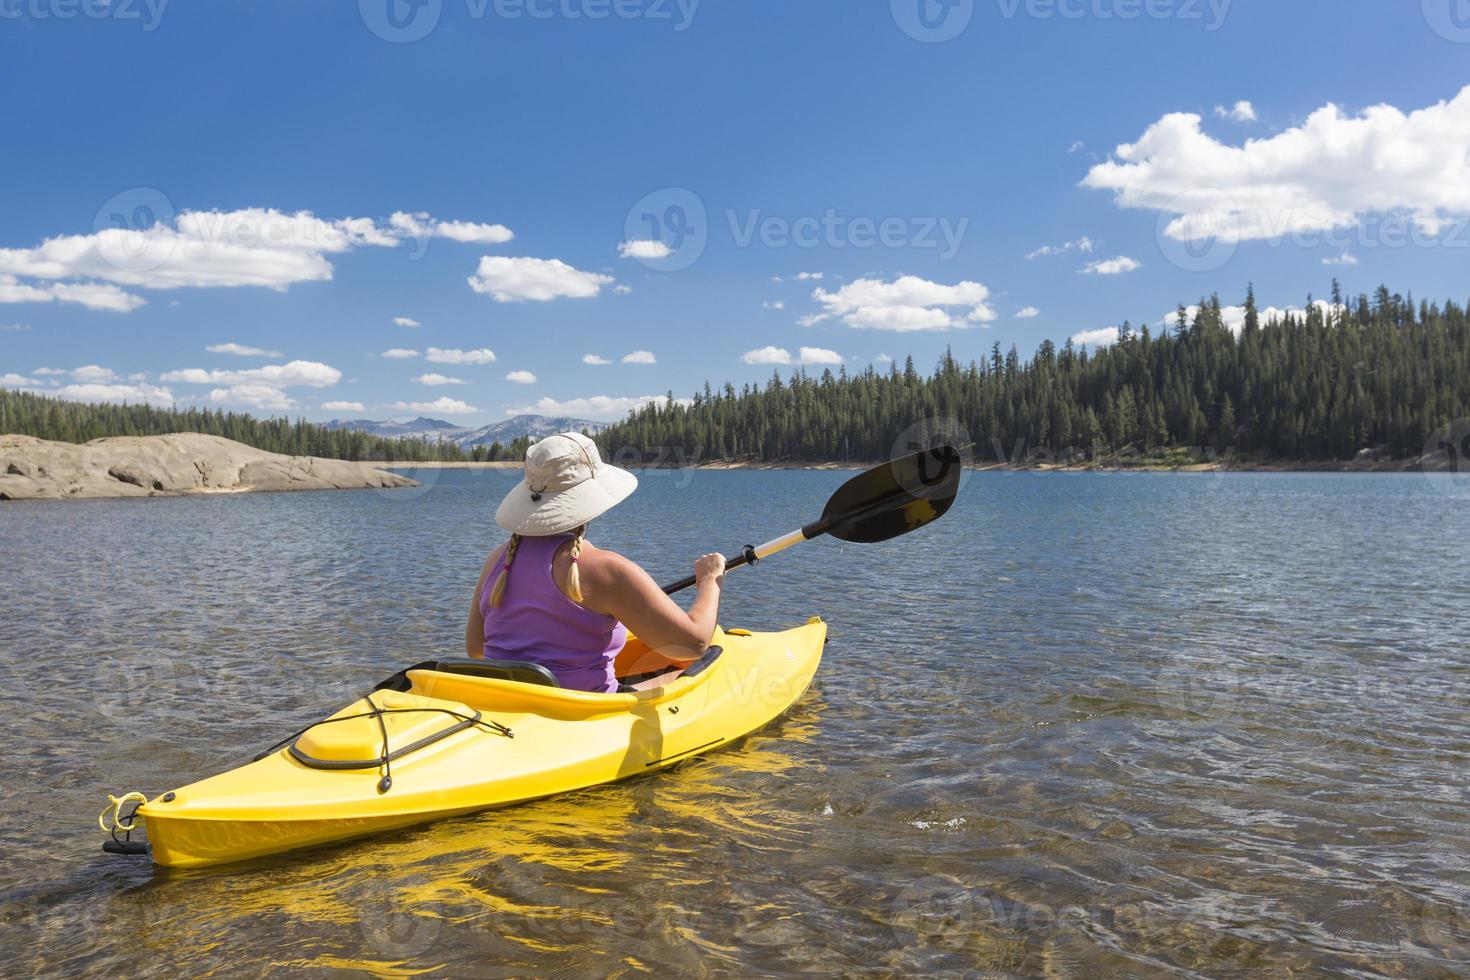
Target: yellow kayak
column 442, row 739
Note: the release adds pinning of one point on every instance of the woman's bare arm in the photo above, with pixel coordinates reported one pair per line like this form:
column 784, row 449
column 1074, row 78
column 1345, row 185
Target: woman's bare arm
column 615, row 586
column 474, row 629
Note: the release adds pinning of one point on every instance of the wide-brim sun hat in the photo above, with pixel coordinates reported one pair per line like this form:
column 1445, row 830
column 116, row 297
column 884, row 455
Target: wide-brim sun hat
column 566, row 485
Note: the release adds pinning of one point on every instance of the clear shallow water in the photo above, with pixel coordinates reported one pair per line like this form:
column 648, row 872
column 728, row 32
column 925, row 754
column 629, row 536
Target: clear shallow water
column 1138, row 725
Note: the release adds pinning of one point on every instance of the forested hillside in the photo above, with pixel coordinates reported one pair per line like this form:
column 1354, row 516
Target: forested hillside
column 1378, row 373
column 1375, row 373
column 49, row 418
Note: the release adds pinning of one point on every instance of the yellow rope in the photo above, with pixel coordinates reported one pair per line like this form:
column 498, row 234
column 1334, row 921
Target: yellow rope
column 114, row 809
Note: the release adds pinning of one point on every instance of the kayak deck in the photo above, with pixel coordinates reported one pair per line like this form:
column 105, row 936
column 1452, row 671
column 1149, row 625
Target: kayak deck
column 457, row 744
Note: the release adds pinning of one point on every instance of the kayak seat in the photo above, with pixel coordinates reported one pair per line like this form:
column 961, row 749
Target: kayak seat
column 671, row 673
column 500, row 670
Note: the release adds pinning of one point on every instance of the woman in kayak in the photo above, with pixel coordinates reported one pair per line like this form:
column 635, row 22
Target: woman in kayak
column 550, row 597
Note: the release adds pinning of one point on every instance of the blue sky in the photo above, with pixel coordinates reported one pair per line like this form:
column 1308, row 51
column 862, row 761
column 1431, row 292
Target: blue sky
column 181, row 177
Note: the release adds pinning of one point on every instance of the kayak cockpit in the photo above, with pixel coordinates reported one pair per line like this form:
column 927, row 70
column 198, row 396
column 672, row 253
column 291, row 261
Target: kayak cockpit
column 639, row 669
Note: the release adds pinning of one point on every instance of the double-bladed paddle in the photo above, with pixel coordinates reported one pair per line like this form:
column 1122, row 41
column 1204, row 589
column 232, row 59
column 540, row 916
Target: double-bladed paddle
column 888, row 500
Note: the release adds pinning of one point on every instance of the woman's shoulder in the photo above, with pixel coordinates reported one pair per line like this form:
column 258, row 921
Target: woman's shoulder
column 606, row 565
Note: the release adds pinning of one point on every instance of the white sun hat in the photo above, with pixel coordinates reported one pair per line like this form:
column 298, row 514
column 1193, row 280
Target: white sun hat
column 566, row 485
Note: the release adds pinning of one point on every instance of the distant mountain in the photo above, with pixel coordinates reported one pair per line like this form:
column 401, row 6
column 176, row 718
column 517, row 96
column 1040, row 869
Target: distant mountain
column 420, row 426
column 533, row 426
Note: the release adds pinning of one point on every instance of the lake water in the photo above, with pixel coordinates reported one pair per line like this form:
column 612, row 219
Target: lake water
column 1086, row 725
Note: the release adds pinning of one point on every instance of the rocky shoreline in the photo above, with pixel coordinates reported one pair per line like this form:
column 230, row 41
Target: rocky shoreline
column 182, row 463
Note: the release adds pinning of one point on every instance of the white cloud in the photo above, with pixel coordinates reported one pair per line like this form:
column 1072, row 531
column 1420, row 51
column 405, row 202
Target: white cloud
column 767, row 355
column 471, row 231
column 1331, row 172
column 596, row 407
column 1097, row 338
column 1111, row 267
column 46, row 371
column 399, row 353
column 93, row 374
column 1346, row 258
column 312, row 374
column 421, row 225
column 261, row 397
column 621, row 290
column 132, row 394
column 778, row 305
column 240, row 350
column 406, row 321
column 640, row 357
column 1083, row 244
column 780, row 355
column 440, row 406
column 883, row 359
column 95, row 296
column 247, row 247
column 644, row 249
column 595, row 359
column 18, row 381
column 521, row 377
column 343, row 407
column 438, row 355
column 1241, row 112
column 14, row 327
column 906, row 304
column 514, row 280
column 818, row 355
column 1075, row 147
column 1027, row 313
column 1234, row 316
column 437, row 379
column 805, row 276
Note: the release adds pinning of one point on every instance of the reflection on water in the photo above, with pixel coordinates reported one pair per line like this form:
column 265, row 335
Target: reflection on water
column 1127, row 725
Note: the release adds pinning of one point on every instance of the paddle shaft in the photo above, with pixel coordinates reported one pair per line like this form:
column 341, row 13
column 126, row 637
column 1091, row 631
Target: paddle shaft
column 754, row 553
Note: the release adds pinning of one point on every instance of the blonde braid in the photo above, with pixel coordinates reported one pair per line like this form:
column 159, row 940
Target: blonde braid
column 574, row 578
column 498, row 591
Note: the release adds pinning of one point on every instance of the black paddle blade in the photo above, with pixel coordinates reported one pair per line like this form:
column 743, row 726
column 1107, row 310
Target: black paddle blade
column 895, row 498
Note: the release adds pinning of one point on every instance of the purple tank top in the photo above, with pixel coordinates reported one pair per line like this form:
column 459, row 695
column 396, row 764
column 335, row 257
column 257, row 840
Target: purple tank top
column 537, row 623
